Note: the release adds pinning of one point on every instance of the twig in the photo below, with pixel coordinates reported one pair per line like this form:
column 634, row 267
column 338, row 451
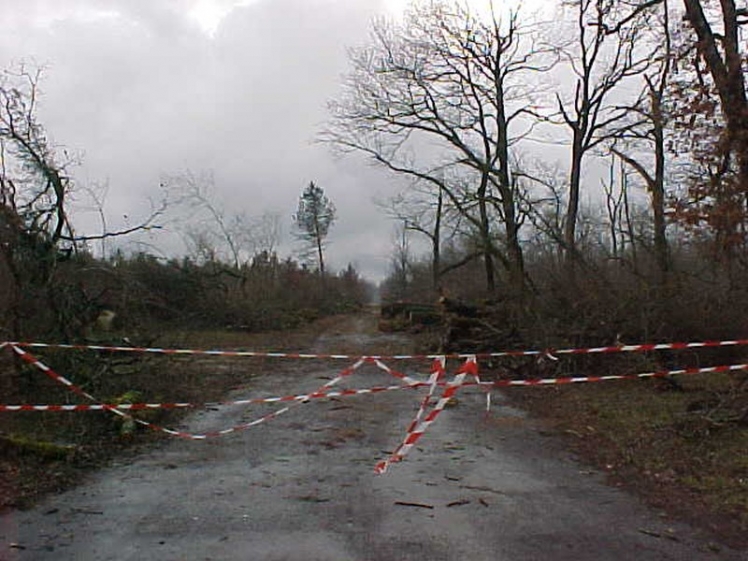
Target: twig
column 419, row 505
column 458, row 503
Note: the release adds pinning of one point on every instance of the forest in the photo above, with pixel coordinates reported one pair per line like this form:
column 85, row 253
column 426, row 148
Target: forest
column 586, row 168
column 579, row 177
column 578, row 174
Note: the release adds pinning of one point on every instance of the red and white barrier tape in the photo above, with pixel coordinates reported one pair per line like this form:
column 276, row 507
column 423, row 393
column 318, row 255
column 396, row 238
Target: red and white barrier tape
column 373, row 390
column 410, row 382
column 611, row 377
column 191, row 352
column 646, row 347
column 181, row 434
column 121, row 410
column 150, row 406
column 418, row 427
column 30, row 359
column 438, row 372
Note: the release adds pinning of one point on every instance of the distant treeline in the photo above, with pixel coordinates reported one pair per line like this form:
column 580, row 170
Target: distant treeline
column 147, row 294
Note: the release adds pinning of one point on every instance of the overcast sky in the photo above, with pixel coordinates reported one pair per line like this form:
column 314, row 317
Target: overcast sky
column 144, row 88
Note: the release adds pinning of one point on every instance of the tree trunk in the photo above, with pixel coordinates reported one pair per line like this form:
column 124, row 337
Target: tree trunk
column 507, row 191
column 657, row 189
column 436, row 244
column 321, row 259
column 514, row 249
column 572, row 210
column 485, row 235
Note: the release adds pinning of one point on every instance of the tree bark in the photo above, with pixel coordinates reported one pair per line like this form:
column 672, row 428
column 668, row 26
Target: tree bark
column 572, row 209
column 436, row 244
column 485, row 236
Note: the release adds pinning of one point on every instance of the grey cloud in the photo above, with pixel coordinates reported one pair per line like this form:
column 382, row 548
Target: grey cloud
column 145, row 94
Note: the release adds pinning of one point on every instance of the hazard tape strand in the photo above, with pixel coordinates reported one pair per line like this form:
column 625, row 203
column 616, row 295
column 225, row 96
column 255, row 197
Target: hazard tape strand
column 612, row 377
column 346, row 392
column 30, row 359
column 419, row 426
column 121, row 410
column 422, row 421
column 644, row 347
column 438, row 371
column 254, row 401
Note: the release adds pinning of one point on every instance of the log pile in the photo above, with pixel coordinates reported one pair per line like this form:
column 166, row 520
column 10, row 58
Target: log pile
column 484, row 329
column 401, row 315
column 471, row 328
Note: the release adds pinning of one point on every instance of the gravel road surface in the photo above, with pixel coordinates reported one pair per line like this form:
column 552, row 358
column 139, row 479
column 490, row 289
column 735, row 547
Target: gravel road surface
column 302, row 487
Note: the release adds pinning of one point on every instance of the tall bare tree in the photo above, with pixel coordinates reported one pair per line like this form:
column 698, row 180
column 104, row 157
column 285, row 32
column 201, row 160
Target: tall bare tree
column 401, row 263
column 722, row 53
column 37, row 189
column 454, row 89
column 421, row 210
column 644, row 141
column 34, row 189
column 36, row 233
column 602, row 57
column 719, row 197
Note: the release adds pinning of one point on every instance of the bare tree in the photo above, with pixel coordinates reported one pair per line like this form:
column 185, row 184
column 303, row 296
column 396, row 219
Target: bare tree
column 644, row 142
column 213, row 232
column 614, row 208
column 711, row 120
column 425, row 212
column 36, row 234
column 602, row 57
column 37, row 188
column 451, row 86
column 210, row 226
column 721, row 51
column 720, row 197
column 34, row 190
column 618, row 208
column 401, row 263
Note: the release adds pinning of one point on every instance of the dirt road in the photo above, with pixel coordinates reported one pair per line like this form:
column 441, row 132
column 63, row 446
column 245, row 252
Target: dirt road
column 302, row 487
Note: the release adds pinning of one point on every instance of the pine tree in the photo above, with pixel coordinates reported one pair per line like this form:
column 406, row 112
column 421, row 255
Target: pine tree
column 313, row 218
